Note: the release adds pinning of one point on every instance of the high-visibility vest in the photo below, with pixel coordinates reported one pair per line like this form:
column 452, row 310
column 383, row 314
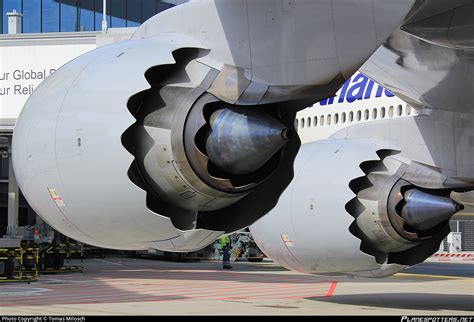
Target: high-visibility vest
column 225, row 240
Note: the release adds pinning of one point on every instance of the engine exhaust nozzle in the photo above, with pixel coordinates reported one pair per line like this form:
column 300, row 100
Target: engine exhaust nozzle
column 242, row 140
column 424, row 211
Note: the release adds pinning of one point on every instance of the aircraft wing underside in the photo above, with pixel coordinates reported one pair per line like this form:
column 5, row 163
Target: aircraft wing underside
column 429, row 61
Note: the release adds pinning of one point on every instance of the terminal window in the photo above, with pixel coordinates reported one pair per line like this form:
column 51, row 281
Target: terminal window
column 78, row 15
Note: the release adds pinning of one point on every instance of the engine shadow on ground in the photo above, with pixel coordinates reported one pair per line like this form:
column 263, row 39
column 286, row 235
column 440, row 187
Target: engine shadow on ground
column 405, row 301
column 126, row 281
column 241, row 272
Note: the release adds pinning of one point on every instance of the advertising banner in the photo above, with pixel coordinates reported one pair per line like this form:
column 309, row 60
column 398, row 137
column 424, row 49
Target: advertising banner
column 23, row 68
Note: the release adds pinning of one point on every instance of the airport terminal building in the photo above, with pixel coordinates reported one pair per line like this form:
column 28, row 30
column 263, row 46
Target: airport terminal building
column 37, row 37
column 47, row 16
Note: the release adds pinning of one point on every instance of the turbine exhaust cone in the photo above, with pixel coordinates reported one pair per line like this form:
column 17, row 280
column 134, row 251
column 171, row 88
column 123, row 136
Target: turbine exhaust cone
column 242, row 140
column 424, row 211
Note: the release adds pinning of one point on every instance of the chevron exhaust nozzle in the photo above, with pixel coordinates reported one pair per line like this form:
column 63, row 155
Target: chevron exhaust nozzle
column 424, row 211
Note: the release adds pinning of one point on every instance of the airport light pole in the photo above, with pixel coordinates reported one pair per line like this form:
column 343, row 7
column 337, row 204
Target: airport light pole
column 104, row 17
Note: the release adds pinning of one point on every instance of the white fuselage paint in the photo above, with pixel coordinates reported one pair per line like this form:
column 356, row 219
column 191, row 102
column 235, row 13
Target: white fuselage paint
column 360, row 100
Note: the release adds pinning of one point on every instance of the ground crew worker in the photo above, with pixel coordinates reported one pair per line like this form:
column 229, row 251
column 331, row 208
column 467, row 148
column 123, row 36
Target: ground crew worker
column 225, row 243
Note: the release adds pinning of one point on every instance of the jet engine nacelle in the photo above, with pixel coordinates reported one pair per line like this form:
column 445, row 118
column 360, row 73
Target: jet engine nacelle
column 186, row 130
column 122, row 148
column 357, row 207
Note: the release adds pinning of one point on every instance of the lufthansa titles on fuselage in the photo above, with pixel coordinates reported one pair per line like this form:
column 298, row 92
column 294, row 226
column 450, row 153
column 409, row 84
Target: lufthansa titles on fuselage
column 357, row 88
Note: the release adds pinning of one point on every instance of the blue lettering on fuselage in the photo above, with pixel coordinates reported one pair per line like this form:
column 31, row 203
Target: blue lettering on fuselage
column 357, row 88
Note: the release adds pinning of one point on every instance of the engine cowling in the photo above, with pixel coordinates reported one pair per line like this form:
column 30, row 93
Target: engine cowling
column 154, row 153
column 357, row 207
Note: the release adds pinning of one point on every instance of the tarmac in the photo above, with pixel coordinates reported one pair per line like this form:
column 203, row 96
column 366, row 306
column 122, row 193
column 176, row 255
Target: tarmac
column 126, row 286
